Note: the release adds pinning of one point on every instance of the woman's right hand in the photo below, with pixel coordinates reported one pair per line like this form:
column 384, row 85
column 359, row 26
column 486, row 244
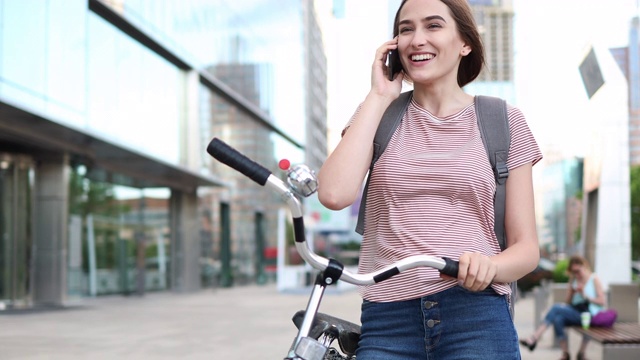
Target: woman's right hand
column 380, row 84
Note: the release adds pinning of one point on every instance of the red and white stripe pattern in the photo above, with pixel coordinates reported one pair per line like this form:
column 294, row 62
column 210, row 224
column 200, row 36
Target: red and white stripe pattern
column 431, row 193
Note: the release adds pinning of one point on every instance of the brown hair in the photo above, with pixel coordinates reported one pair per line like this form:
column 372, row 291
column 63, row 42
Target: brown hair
column 472, row 64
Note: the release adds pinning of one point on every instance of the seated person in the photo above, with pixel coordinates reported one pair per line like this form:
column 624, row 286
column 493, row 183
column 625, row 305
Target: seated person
column 585, row 294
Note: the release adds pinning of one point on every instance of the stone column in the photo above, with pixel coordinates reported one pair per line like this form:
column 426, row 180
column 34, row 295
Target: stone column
column 51, row 231
column 185, row 241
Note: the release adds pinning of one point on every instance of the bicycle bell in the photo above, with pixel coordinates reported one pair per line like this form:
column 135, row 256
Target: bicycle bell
column 301, row 179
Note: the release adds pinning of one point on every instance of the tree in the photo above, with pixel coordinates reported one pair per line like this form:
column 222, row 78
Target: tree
column 635, row 212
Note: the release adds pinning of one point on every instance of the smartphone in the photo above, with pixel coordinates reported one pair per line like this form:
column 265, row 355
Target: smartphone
column 394, row 65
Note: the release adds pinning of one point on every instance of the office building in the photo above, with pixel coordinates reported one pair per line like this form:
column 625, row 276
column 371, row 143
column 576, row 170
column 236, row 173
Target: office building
column 495, row 23
column 106, row 108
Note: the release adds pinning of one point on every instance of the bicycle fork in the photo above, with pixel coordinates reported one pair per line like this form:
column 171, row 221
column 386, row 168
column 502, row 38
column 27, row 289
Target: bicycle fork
column 305, row 347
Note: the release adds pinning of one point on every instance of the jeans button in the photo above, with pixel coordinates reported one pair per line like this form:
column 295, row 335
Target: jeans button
column 430, row 304
column 431, row 323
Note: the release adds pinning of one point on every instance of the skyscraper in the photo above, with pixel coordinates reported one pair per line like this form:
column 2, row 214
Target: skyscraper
column 495, row 23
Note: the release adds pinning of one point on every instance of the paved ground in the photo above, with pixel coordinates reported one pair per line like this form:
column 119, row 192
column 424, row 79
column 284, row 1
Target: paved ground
column 251, row 322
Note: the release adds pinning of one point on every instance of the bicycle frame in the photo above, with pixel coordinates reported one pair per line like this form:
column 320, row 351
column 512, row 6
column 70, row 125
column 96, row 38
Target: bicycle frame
column 302, row 182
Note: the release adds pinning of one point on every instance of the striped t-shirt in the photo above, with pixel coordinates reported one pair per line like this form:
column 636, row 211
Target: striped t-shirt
column 431, row 193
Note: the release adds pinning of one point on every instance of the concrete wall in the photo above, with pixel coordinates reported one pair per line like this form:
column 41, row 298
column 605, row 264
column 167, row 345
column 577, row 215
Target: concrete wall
column 606, row 218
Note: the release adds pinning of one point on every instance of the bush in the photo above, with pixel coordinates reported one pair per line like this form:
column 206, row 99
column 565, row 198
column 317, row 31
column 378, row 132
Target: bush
column 560, row 272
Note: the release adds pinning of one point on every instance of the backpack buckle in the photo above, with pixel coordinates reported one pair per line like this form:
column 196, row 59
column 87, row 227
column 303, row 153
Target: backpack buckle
column 501, row 172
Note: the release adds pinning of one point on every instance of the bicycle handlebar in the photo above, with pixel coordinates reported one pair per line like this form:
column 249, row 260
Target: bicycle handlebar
column 233, row 158
column 263, row 177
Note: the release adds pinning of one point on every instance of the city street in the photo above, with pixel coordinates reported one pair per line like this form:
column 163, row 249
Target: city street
column 250, row 322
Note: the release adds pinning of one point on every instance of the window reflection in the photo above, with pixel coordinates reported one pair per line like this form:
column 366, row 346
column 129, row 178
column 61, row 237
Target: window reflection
column 225, row 38
column 119, row 237
column 134, row 95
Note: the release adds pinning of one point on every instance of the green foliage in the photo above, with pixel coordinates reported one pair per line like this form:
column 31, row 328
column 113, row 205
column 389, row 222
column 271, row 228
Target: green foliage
column 93, row 197
column 351, row 245
column 634, row 186
column 560, row 272
column 88, row 197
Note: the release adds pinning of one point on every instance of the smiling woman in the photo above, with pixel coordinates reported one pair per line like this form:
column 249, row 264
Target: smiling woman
column 438, row 205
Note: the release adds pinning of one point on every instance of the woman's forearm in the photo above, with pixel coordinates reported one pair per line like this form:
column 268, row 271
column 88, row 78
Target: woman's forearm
column 517, row 261
column 341, row 176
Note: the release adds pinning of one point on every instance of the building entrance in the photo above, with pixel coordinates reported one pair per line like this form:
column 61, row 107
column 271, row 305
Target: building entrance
column 16, row 209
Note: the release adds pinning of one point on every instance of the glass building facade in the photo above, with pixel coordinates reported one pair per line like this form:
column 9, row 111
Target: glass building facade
column 106, row 109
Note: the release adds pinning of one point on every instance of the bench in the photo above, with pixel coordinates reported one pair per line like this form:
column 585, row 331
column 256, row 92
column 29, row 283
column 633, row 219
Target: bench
column 622, row 340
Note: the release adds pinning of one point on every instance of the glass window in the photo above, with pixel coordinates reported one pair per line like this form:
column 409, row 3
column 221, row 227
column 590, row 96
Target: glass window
column 23, row 52
column 118, row 237
column 244, row 43
column 134, row 95
column 66, row 61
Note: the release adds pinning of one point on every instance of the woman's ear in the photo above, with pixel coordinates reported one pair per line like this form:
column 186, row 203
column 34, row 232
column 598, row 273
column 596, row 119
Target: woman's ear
column 466, row 49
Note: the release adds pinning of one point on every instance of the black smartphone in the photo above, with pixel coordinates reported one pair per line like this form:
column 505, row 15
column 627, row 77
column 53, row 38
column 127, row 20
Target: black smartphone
column 394, row 65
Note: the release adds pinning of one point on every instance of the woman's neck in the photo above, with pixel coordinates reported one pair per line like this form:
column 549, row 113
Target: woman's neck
column 442, row 102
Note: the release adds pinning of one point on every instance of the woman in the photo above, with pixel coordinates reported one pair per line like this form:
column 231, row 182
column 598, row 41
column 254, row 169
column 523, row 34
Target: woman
column 585, row 294
column 431, row 193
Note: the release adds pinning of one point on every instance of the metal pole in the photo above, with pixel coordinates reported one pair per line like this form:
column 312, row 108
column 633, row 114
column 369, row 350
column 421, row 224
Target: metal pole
column 226, row 274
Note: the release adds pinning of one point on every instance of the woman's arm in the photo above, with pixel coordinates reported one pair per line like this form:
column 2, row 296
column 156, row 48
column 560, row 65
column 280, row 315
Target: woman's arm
column 570, row 291
column 341, row 176
column 522, row 253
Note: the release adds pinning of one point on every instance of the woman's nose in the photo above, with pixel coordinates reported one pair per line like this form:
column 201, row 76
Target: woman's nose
column 419, row 39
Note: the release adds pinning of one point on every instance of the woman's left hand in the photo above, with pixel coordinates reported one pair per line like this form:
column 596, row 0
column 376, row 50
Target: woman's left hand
column 476, row 271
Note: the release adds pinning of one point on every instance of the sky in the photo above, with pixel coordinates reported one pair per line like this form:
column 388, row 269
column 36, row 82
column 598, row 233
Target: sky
column 551, row 38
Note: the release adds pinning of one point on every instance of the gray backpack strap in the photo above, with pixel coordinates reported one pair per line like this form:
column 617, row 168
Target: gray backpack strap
column 388, row 125
column 494, row 129
column 493, row 123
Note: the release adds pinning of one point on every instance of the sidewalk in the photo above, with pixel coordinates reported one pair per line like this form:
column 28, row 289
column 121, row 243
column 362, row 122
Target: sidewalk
column 252, row 322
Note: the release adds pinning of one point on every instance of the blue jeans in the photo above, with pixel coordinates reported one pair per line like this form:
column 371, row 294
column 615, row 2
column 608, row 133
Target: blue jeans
column 453, row 324
column 560, row 316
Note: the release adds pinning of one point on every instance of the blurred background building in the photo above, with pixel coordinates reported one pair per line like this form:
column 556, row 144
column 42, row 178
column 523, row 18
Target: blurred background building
column 628, row 58
column 106, row 108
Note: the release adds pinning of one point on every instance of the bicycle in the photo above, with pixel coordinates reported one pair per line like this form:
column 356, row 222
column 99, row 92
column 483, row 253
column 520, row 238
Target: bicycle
column 317, row 331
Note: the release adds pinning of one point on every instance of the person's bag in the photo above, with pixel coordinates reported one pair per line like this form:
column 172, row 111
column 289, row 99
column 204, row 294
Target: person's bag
column 604, row 318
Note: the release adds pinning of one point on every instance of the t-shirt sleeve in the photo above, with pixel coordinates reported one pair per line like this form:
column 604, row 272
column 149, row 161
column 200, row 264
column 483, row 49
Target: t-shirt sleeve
column 524, row 148
column 344, row 130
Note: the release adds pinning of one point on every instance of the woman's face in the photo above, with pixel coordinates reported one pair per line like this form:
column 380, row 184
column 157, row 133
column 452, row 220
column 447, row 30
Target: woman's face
column 429, row 44
column 577, row 271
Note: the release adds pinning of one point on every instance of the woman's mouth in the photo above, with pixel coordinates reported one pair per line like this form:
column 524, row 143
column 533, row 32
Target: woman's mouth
column 422, row 57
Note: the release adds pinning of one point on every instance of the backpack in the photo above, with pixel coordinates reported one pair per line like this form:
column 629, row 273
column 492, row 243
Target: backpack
column 493, row 123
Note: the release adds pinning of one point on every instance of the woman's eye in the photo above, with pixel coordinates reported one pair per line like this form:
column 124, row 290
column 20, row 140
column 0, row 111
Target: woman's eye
column 404, row 29
column 433, row 26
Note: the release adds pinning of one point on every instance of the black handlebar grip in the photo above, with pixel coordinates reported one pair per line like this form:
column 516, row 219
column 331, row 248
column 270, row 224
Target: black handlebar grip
column 232, row 157
column 450, row 267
